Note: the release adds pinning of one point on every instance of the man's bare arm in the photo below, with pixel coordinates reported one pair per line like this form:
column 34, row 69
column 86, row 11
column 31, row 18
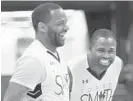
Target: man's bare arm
column 14, row 92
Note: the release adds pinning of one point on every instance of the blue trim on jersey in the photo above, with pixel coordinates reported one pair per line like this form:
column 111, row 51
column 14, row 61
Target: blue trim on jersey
column 95, row 75
column 36, row 93
column 57, row 58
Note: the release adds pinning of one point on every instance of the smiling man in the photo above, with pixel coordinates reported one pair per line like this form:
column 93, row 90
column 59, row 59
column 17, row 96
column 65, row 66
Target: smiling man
column 95, row 75
column 40, row 74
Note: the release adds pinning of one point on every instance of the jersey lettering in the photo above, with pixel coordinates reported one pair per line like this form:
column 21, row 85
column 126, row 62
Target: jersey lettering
column 62, row 85
column 99, row 96
column 59, row 78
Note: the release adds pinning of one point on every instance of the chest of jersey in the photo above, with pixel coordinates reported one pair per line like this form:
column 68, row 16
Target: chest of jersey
column 86, row 87
column 57, row 77
column 55, row 87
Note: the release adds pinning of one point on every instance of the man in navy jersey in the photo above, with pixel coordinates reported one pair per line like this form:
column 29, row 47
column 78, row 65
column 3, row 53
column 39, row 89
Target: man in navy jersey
column 40, row 74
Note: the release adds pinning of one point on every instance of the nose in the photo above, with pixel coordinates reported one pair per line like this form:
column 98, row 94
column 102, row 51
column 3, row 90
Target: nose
column 106, row 55
column 66, row 27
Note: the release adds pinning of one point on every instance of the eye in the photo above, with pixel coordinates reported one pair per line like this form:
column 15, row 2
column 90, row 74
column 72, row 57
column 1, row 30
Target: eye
column 61, row 23
column 112, row 51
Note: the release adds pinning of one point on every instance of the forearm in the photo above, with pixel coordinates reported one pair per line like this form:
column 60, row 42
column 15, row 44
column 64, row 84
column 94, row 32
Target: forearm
column 13, row 96
column 15, row 92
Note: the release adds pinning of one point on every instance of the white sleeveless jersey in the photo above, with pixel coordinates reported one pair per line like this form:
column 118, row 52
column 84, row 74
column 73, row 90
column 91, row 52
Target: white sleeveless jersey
column 55, row 87
column 88, row 88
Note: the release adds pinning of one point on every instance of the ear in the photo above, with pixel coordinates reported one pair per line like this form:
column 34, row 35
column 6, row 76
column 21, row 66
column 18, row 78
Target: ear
column 42, row 27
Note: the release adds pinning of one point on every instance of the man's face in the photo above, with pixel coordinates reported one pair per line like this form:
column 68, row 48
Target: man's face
column 57, row 27
column 103, row 52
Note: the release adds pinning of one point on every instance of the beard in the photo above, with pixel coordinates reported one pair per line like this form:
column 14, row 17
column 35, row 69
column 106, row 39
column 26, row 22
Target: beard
column 57, row 37
column 59, row 41
column 56, row 40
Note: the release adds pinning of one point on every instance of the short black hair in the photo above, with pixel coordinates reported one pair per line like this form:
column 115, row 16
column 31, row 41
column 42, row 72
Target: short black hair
column 101, row 33
column 41, row 12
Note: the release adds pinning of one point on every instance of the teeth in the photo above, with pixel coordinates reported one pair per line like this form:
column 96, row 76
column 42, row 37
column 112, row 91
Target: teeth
column 62, row 35
column 104, row 62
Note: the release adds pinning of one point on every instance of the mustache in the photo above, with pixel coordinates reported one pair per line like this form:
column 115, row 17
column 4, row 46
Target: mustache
column 63, row 31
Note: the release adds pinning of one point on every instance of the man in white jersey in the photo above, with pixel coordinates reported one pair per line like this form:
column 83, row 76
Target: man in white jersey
column 95, row 74
column 40, row 74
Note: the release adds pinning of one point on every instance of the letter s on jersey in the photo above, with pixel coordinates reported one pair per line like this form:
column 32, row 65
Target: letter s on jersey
column 59, row 82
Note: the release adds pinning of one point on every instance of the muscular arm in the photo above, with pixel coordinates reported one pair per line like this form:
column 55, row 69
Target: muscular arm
column 14, row 92
column 29, row 72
